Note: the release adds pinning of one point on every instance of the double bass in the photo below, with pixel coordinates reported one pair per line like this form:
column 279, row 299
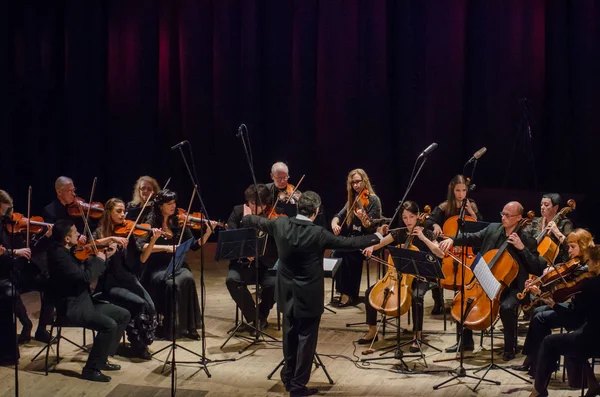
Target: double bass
column 383, row 296
column 479, row 314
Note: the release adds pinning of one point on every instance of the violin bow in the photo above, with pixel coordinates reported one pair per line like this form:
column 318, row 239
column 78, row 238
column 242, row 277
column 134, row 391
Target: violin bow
column 28, row 241
column 139, row 216
column 87, row 229
column 351, row 207
column 296, row 188
column 91, row 196
column 167, row 183
column 187, row 215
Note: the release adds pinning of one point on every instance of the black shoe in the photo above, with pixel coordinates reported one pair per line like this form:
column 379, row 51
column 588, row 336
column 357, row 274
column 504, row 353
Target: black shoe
column 94, row 375
column 24, row 337
column 263, row 324
column 42, row 336
column 469, row 347
column 111, row 367
column 436, row 310
column 304, row 392
column 507, row 356
column 349, row 302
column 593, row 391
column 193, row 334
column 414, row 349
column 363, row 341
column 522, row 368
column 141, row 352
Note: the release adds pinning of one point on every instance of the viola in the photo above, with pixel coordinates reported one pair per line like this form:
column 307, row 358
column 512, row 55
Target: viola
column 36, row 224
column 478, row 314
column 548, row 248
column 383, row 296
column 195, row 221
column 140, row 230
column 95, row 209
column 450, row 267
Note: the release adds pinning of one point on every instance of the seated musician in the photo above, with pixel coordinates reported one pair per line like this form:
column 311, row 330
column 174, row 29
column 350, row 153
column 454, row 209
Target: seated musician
column 23, row 271
column 280, row 175
column 549, row 207
column 9, row 351
column 141, row 190
column 425, row 241
column 59, row 207
column 119, row 284
column 545, row 319
column 242, row 271
column 156, row 253
column 522, row 247
column 70, row 281
column 456, row 194
column 583, row 315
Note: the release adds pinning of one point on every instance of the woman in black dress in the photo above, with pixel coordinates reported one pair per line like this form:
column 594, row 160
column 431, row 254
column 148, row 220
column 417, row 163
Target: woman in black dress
column 144, row 186
column 157, row 251
column 119, row 284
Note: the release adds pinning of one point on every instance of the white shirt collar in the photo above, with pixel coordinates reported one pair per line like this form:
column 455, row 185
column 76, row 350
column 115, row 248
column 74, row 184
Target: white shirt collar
column 303, row 218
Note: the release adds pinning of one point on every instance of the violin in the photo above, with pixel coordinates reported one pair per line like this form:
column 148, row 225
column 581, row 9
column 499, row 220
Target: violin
column 561, row 290
column 547, row 248
column 140, row 230
column 95, row 209
column 478, row 314
column 195, row 221
column 84, row 251
column 453, row 277
column 36, row 224
column 383, row 296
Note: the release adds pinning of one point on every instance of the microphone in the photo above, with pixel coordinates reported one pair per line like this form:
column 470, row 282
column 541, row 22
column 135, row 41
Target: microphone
column 240, row 130
column 477, row 155
column 178, row 145
column 429, row 149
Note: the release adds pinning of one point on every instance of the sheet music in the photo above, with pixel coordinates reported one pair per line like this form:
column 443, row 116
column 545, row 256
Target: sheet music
column 484, row 275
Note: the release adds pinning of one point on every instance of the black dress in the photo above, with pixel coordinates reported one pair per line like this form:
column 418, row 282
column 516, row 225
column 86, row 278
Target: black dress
column 132, row 212
column 159, row 285
column 120, row 286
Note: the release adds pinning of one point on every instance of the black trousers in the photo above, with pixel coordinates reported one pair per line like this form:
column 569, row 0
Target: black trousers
column 109, row 321
column 9, row 353
column 299, row 346
column 239, row 276
column 349, row 274
column 509, row 305
column 46, row 308
column 419, row 290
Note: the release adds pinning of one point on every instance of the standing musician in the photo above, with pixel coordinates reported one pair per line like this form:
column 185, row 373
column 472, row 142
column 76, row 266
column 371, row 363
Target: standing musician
column 25, row 273
column 549, row 207
column 144, row 186
column 425, row 241
column 522, row 248
column 356, row 221
column 300, row 290
column 119, row 284
column 584, row 316
column 70, row 281
column 545, row 318
column 242, row 271
column 157, row 252
column 59, row 207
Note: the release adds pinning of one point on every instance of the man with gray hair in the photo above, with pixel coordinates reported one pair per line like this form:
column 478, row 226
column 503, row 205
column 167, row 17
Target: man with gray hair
column 59, row 208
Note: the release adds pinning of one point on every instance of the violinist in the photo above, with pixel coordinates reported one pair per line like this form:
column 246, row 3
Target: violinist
column 280, row 176
column 354, row 219
column 25, row 273
column 424, row 241
column 59, row 208
column 549, row 207
column 119, row 284
column 242, row 271
column 522, row 247
column 70, row 280
column 156, row 253
column 583, row 316
column 144, row 186
column 545, row 318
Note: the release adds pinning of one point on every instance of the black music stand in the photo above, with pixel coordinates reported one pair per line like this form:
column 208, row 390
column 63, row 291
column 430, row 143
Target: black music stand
column 331, row 266
column 491, row 287
column 242, row 244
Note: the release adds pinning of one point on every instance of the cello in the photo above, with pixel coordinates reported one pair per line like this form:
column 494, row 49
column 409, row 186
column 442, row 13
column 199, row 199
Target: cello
column 547, row 248
column 478, row 314
column 382, row 295
column 453, row 277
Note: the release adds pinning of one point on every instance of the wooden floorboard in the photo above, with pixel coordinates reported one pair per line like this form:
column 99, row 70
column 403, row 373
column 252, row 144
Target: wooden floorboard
column 247, row 376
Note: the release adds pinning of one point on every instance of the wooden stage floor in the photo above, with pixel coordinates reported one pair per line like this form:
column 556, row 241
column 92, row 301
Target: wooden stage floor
column 247, row 376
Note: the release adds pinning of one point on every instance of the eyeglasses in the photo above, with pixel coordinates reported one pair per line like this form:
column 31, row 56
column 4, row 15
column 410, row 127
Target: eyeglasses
column 281, row 178
column 502, row 214
column 357, row 182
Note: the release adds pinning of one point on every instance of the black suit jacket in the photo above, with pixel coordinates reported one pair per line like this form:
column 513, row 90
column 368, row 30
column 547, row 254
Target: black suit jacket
column 70, row 281
column 301, row 246
column 493, row 236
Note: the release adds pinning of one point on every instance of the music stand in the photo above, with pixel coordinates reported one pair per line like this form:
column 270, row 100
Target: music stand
column 491, row 287
column 180, row 253
column 331, row 265
column 242, row 244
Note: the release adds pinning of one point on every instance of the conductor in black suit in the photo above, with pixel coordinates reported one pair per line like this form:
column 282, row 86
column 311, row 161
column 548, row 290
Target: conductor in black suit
column 300, row 287
column 70, row 285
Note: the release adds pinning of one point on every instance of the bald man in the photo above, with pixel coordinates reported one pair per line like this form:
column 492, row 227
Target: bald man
column 523, row 248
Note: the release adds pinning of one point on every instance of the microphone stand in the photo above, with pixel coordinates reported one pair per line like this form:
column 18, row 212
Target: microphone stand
column 398, row 353
column 461, row 372
column 243, row 134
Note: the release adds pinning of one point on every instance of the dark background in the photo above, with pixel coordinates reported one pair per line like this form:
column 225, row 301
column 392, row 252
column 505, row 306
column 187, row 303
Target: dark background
column 104, row 88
